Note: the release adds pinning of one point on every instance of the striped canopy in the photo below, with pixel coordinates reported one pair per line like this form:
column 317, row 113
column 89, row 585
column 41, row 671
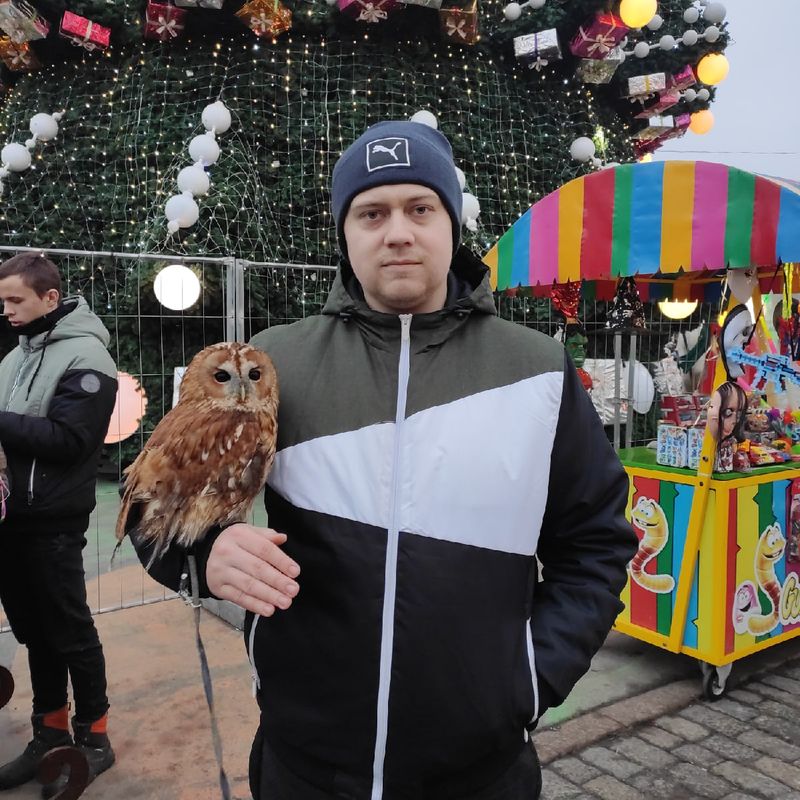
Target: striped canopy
column 641, row 219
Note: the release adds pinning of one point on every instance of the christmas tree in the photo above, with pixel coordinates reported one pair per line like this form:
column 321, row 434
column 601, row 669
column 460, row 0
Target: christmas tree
column 301, row 79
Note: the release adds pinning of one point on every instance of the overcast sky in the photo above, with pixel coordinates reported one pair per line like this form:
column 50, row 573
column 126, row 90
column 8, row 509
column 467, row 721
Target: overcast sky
column 757, row 109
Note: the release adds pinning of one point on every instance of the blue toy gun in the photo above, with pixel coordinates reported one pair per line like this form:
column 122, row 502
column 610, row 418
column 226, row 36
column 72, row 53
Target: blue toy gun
column 768, row 368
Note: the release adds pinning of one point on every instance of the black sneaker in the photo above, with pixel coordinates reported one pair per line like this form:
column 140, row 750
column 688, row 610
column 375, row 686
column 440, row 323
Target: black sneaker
column 98, row 753
column 24, row 767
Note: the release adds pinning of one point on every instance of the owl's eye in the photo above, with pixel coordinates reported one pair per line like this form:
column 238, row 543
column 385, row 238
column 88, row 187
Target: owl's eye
column 220, row 376
column 254, row 374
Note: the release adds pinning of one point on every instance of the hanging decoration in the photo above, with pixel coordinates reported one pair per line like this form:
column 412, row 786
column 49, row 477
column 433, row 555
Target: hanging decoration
column 84, row 33
column 637, row 13
column 215, row 5
column 597, row 37
column 460, row 24
column 600, row 71
column 370, row 11
column 163, row 22
column 16, row 157
column 181, row 209
column 513, row 11
column 627, row 309
column 18, row 56
column 21, row 22
column 537, row 50
column 266, row 18
column 713, row 69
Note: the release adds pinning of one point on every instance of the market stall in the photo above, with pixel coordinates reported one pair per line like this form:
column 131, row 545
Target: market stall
column 717, row 574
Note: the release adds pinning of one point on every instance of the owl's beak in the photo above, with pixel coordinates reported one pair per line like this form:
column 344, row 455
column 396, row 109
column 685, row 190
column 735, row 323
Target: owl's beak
column 243, row 392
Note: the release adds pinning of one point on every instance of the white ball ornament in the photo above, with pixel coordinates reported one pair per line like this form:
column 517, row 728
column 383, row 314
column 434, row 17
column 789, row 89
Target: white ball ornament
column 667, row 42
column 582, row 149
column 462, row 178
column 690, row 38
column 216, row 117
column 204, row 149
column 176, row 287
column 44, row 127
column 714, row 13
column 691, row 15
column 712, row 33
column 16, row 157
column 536, row 4
column 656, row 23
column 194, row 180
column 470, row 210
column 690, row 95
column 512, row 12
column 641, row 50
column 182, row 209
column 703, row 95
column 4, row 172
column 425, row 117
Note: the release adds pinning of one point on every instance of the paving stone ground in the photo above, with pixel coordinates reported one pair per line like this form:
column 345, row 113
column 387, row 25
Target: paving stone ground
column 744, row 746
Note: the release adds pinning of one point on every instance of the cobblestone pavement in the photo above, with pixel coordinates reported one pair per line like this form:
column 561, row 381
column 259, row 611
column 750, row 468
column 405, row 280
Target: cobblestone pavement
column 744, row 745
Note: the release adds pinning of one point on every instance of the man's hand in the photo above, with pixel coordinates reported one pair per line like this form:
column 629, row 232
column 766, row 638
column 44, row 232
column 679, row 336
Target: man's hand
column 247, row 566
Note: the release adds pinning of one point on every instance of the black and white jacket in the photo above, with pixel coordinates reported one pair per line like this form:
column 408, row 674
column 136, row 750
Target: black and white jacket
column 423, row 463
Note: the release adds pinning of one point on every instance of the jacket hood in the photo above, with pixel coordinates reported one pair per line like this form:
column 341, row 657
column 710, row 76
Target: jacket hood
column 79, row 321
column 468, row 290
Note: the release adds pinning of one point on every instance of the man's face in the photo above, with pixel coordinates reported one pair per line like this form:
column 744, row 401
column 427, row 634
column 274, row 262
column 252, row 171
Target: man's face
column 400, row 243
column 21, row 304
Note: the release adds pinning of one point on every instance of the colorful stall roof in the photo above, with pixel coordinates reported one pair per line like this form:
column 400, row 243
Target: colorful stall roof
column 642, row 219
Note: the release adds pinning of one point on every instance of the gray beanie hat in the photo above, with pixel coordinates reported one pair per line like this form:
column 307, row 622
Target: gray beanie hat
column 396, row 151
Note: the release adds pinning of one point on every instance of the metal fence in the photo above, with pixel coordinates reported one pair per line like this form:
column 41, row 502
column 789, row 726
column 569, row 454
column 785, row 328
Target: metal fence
column 239, row 298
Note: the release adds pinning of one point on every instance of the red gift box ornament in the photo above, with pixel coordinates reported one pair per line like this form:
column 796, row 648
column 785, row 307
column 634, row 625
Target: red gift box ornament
column 83, row 32
column 372, row 13
column 163, row 22
column 598, row 37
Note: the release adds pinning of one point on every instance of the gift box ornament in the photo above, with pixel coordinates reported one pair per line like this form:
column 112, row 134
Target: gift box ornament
column 370, row 11
column 18, row 56
column 435, row 4
column 645, row 85
column 267, row 18
column 656, row 127
column 216, row 5
column 460, row 24
column 682, row 80
column 599, row 36
column 596, row 70
column 163, row 22
column 21, row 21
column 666, row 100
column 84, row 33
column 537, row 50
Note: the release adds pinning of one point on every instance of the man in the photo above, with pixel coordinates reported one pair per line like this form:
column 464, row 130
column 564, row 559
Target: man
column 402, row 646
column 57, row 392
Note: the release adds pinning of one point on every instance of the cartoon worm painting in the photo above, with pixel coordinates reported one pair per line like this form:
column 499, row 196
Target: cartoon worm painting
column 650, row 517
column 770, row 548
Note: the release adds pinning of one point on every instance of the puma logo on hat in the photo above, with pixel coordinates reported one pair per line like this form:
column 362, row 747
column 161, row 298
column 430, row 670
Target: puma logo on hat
column 390, row 152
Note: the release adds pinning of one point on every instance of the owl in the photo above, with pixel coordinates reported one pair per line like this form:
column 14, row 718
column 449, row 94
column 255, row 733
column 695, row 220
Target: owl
column 209, row 457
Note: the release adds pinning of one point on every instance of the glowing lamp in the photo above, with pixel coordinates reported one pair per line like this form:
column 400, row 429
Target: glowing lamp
column 176, row 287
column 637, row 13
column 677, row 309
column 128, row 410
column 713, row 69
column 701, row 122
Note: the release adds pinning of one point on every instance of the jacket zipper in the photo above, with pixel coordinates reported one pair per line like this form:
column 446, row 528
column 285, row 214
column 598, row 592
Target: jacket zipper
column 15, row 385
column 252, row 655
column 390, row 580
column 534, row 679
column 30, row 483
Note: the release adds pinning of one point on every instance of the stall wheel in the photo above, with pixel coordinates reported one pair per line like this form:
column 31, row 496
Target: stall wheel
column 715, row 680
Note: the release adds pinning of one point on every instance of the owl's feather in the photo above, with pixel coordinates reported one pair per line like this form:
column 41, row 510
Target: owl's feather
column 209, row 457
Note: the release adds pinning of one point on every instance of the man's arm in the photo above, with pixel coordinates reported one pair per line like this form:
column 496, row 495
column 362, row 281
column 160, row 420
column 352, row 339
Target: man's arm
column 76, row 421
column 584, row 547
